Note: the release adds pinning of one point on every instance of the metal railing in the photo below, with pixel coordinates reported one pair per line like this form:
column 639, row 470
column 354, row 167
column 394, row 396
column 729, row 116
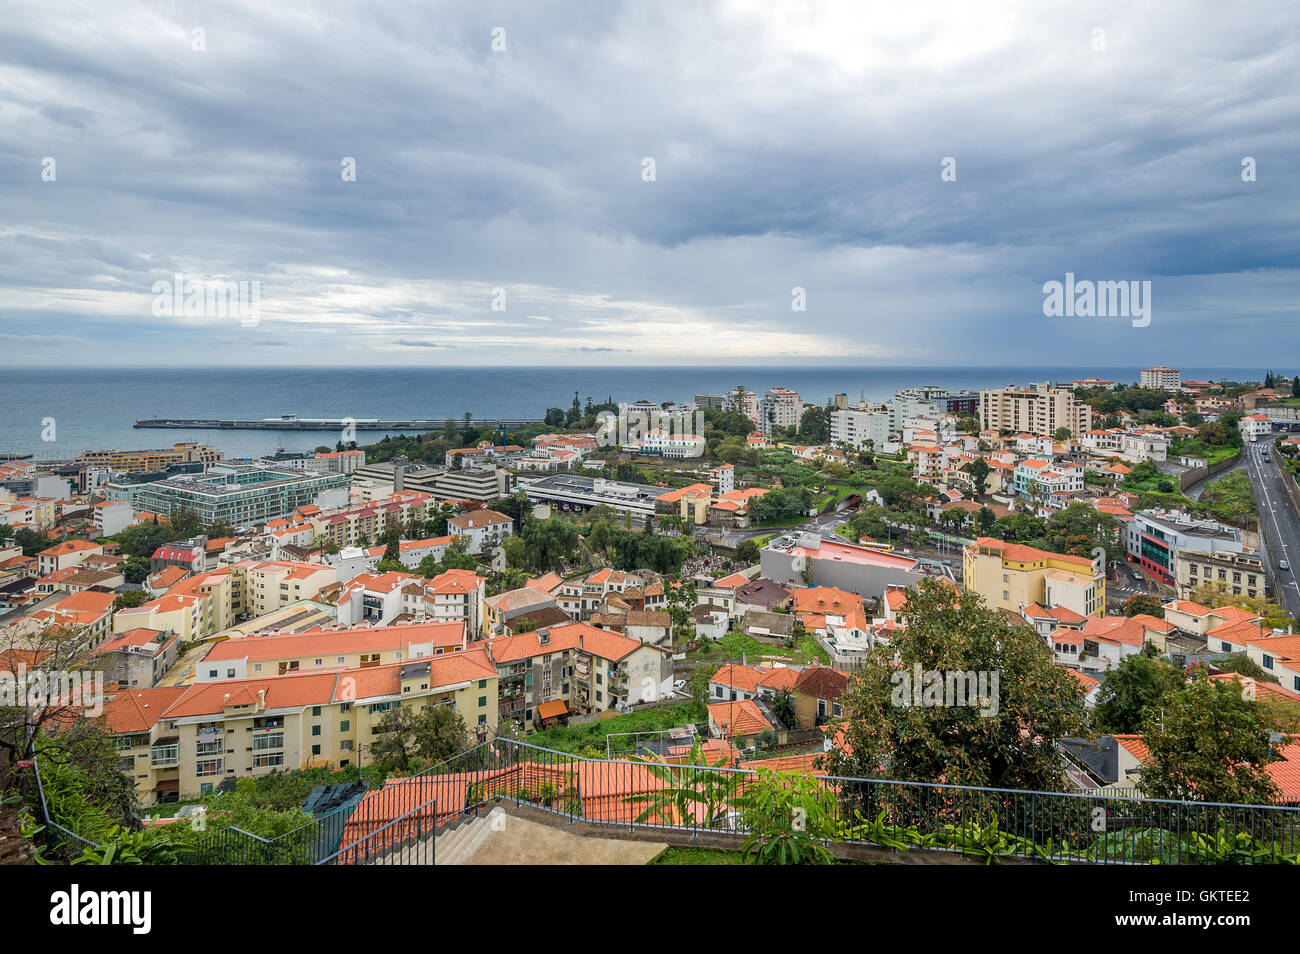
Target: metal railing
column 398, row 823
column 61, row 844
column 984, row 822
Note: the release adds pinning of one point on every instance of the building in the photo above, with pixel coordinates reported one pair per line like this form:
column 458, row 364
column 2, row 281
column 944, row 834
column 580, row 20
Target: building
column 1012, row 576
column 66, row 554
column 241, row 495
column 780, row 407
column 807, row 559
column 482, row 530
column 1039, row 409
column 552, row 672
column 148, row 461
column 1160, row 379
column 1154, row 537
column 319, row 650
column 242, row 728
column 861, row 427
column 577, row 494
column 137, row 658
column 1238, row 573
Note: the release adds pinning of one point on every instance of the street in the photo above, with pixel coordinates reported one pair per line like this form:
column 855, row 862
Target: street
column 1278, row 522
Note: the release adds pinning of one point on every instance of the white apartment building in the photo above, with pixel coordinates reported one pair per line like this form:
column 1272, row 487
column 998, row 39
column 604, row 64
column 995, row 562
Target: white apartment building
column 1162, row 378
column 860, row 428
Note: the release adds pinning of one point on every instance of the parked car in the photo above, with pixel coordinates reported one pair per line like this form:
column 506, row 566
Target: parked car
column 679, row 685
column 1283, row 565
column 1137, row 577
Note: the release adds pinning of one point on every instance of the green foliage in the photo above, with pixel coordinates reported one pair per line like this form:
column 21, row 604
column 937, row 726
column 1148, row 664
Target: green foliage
column 406, row 739
column 151, row 846
column 692, row 794
column 789, row 817
column 130, row 598
column 1144, row 604
column 974, row 744
column 1230, row 499
column 1139, row 685
column 1212, row 741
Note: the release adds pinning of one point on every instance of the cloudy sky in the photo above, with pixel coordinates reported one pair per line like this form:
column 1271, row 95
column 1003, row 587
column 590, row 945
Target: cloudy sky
column 502, row 157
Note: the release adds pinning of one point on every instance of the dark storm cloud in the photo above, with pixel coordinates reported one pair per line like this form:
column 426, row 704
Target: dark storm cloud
column 794, row 145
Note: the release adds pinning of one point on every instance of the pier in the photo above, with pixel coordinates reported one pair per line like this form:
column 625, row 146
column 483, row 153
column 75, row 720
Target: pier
column 292, row 422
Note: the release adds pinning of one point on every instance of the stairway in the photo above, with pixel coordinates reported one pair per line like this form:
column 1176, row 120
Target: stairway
column 458, row 841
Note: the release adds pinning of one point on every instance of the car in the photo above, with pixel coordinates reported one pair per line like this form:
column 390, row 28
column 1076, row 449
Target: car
column 1283, row 565
column 679, row 685
column 1136, row 576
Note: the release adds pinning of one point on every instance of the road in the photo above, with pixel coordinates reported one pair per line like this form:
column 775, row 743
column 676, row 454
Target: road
column 1278, row 521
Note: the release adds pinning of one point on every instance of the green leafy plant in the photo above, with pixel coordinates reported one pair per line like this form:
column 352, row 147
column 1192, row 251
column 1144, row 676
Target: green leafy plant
column 789, row 819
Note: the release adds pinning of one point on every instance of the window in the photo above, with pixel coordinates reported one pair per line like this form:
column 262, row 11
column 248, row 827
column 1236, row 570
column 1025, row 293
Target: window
column 212, row 674
column 268, row 760
column 315, row 750
column 315, row 730
column 345, row 725
column 482, row 683
column 230, row 674
column 315, row 710
column 1268, row 661
column 205, row 767
column 257, row 667
column 482, row 701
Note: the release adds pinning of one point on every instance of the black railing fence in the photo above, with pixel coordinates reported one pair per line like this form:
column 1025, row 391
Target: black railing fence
column 396, row 824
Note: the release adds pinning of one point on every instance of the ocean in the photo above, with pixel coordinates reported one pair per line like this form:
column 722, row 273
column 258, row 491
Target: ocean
column 91, row 409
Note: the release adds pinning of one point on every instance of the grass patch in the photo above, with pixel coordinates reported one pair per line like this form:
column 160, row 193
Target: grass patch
column 698, row 856
column 577, row 739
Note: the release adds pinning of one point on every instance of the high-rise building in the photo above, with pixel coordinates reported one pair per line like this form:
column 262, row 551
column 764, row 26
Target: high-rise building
column 1162, row 378
column 780, row 407
column 1038, row 409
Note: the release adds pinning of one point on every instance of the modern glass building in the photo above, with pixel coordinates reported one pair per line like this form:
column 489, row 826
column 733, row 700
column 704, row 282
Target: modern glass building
column 242, row 495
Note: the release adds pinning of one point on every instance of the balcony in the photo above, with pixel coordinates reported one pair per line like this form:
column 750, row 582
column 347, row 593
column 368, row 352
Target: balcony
column 165, row 756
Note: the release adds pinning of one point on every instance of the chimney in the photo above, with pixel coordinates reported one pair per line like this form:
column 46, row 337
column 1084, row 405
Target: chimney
column 261, row 699
column 580, row 641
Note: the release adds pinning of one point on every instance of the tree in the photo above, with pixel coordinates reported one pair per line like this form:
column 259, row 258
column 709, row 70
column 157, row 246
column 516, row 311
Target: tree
column 782, row 706
column 1212, row 742
column 1144, row 603
column 554, row 417
column 432, row 735
column 995, row 741
column 979, row 475
column 747, row 552
column 986, row 521
column 1061, row 434
column 1295, row 386
column 130, row 599
column 1136, row 688
column 54, row 650
column 185, row 523
column 1080, row 529
column 815, row 425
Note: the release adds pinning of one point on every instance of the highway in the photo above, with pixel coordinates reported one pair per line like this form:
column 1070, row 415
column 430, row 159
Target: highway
column 1278, row 521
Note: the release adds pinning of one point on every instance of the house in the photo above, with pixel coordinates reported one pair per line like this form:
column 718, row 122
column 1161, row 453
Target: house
column 742, row 721
column 817, row 694
column 137, row 658
column 66, row 554
column 483, row 530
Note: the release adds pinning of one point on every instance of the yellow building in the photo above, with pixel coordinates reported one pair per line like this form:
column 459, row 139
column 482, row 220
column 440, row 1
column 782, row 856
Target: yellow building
column 242, row 728
column 1012, row 576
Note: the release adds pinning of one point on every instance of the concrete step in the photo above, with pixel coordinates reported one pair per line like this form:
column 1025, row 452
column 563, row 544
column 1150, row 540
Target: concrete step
column 475, row 835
